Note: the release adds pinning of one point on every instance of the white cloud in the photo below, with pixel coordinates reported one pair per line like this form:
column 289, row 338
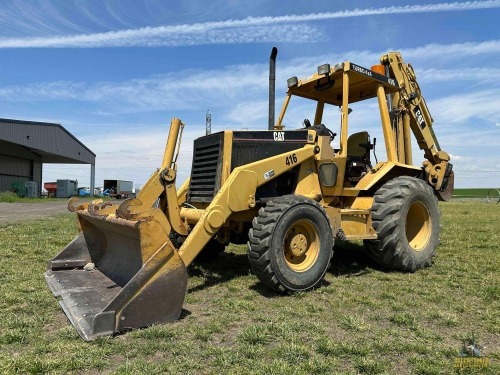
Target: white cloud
column 231, row 85
column 458, row 157
column 290, row 28
column 433, row 50
column 180, row 90
column 466, row 122
column 248, row 112
column 468, row 74
column 127, row 156
column 172, row 36
column 460, row 108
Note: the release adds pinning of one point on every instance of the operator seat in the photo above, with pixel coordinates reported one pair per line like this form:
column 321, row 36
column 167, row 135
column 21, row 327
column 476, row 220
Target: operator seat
column 358, row 157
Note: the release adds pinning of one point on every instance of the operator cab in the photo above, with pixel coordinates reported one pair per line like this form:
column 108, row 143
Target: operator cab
column 359, row 146
column 340, row 86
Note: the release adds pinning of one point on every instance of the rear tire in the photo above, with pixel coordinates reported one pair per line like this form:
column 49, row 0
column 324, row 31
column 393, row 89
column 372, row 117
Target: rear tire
column 405, row 216
column 290, row 244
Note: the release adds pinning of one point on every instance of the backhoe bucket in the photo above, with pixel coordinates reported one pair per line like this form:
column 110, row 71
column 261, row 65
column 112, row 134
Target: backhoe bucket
column 446, row 194
column 118, row 274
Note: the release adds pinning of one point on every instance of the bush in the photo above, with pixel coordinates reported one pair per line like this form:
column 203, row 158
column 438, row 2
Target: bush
column 8, row 196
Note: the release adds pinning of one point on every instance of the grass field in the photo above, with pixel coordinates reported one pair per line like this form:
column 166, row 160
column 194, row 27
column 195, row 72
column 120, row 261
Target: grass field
column 361, row 320
column 476, row 193
column 10, row 197
column 457, row 193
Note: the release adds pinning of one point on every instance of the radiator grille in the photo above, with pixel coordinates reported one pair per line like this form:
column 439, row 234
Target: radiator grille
column 206, row 169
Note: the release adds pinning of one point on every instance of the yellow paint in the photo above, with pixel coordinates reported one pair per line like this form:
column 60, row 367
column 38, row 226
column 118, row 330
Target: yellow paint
column 308, row 181
column 301, row 245
column 356, row 224
column 182, row 192
column 390, row 145
column 418, row 226
column 243, row 179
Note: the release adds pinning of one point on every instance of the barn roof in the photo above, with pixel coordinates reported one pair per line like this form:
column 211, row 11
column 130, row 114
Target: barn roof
column 51, row 142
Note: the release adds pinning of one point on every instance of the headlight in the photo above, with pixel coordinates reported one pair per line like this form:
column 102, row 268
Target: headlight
column 292, row 81
column 324, row 69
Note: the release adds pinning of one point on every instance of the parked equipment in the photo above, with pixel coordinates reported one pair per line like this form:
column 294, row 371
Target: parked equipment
column 66, row 188
column 288, row 193
column 84, row 192
column 51, row 188
column 31, row 189
column 118, row 188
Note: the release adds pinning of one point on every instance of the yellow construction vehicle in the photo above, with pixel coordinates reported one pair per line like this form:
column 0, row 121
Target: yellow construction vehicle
column 287, row 193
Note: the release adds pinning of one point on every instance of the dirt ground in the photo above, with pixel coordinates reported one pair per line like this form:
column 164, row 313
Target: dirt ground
column 19, row 212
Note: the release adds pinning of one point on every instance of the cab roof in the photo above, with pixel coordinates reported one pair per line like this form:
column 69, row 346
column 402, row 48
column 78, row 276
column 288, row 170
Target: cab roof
column 363, row 84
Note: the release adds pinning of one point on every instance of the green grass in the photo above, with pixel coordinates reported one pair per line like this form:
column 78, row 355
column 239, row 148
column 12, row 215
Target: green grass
column 10, row 197
column 361, row 320
column 473, row 193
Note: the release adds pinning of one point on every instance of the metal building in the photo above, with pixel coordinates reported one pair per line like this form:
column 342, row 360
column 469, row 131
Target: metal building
column 26, row 145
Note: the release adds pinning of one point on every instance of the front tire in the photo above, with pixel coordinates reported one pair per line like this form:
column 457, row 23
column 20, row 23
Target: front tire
column 405, row 216
column 290, row 244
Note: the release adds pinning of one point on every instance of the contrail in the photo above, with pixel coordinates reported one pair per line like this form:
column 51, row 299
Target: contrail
column 291, row 28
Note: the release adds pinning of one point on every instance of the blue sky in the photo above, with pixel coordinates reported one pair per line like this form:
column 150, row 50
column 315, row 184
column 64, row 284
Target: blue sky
column 114, row 73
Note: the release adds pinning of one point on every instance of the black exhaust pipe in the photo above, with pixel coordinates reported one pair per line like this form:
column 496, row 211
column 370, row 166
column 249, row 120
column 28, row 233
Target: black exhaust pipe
column 272, row 86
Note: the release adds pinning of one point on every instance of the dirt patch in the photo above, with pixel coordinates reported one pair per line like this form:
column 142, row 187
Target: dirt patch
column 20, row 212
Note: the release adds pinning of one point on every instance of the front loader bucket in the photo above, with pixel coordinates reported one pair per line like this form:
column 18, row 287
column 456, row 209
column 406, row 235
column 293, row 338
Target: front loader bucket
column 118, row 274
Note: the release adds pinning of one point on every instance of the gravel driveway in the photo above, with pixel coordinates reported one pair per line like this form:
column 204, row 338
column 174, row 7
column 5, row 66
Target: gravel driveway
column 19, row 212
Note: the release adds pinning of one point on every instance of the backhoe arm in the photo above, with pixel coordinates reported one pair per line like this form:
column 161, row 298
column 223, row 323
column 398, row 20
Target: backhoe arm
column 411, row 105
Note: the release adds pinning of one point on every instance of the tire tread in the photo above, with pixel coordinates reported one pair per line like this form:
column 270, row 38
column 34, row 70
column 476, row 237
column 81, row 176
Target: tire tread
column 389, row 250
column 259, row 238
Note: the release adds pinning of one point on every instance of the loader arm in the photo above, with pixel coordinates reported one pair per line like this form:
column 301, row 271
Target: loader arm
column 161, row 183
column 238, row 194
column 411, row 105
column 122, row 271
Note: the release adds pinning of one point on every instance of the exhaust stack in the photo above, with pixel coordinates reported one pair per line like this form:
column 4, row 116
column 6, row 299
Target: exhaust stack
column 272, row 86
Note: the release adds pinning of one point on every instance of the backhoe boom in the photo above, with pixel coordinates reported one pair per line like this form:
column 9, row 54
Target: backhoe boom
column 408, row 105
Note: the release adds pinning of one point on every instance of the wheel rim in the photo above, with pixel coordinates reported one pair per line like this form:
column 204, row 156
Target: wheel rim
column 418, row 226
column 301, row 245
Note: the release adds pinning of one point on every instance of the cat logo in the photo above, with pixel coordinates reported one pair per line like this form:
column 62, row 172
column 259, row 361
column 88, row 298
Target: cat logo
column 279, row 136
column 419, row 116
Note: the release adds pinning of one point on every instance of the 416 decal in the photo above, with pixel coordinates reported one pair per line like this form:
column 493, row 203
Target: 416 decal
column 291, row 159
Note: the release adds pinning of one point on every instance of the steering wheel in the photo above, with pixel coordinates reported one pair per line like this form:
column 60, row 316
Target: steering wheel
column 321, row 129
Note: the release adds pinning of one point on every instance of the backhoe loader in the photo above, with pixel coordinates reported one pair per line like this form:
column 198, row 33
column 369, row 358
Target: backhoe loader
column 288, row 194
